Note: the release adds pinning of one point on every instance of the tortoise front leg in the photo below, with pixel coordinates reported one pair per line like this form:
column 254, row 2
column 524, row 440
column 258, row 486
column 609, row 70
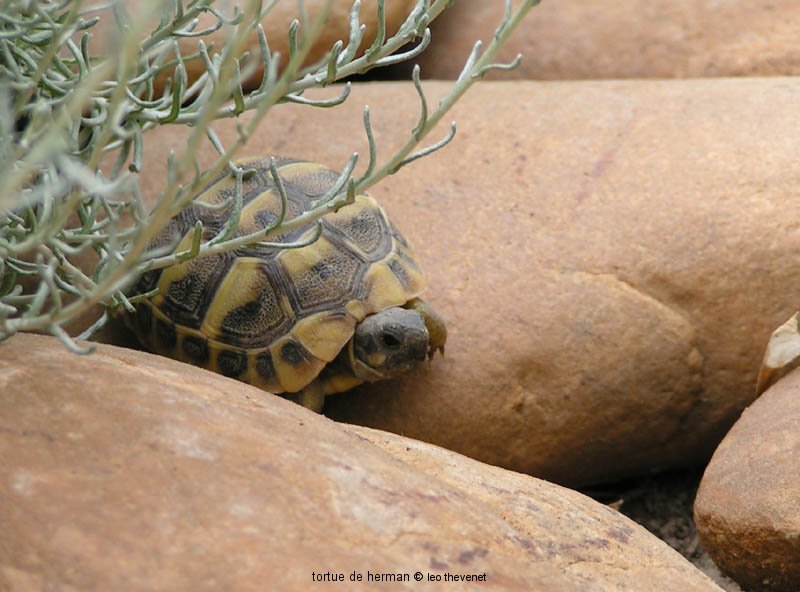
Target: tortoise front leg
column 312, row 397
column 437, row 329
column 335, row 378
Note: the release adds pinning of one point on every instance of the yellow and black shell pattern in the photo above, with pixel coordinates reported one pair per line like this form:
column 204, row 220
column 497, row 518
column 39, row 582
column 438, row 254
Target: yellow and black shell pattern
column 274, row 317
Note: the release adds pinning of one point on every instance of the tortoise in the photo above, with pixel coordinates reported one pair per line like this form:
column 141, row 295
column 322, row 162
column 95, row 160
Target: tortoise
column 305, row 322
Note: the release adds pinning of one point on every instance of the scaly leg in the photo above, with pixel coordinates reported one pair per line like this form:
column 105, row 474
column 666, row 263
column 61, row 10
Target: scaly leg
column 312, row 397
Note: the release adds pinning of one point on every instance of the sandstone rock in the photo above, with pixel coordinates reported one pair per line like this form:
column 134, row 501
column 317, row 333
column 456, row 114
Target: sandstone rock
column 748, row 506
column 276, row 26
column 611, row 259
column 782, row 354
column 626, row 39
column 123, row 470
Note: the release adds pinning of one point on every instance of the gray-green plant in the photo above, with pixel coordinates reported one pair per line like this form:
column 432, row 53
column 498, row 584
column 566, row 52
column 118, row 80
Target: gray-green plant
column 66, row 110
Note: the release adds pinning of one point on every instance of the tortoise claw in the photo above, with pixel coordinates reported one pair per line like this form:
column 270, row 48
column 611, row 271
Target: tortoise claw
column 433, row 349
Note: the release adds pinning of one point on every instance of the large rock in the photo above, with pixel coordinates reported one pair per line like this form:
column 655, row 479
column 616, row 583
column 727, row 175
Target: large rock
column 122, row 470
column 626, row 39
column 610, row 257
column 748, row 506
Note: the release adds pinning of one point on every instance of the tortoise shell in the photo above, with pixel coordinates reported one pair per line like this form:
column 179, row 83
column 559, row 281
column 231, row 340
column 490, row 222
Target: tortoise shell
column 272, row 317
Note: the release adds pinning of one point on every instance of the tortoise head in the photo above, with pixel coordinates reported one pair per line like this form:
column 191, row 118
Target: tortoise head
column 388, row 344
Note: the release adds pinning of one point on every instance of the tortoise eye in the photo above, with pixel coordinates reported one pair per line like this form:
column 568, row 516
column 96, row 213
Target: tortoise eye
column 389, row 340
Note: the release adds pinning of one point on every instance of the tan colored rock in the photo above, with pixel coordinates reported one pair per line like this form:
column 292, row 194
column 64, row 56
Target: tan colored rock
column 782, row 354
column 626, row 39
column 611, row 259
column 748, row 506
column 276, row 26
column 122, row 470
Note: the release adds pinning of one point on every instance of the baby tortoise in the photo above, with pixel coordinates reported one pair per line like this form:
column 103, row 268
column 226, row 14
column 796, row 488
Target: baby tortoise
column 308, row 321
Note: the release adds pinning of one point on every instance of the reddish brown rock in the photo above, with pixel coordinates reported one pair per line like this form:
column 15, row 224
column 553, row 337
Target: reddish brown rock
column 122, row 470
column 748, row 506
column 626, row 39
column 611, row 259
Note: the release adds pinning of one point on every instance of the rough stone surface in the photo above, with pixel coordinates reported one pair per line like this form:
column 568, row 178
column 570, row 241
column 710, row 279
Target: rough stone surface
column 626, row 39
column 610, row 256
column 123, row 470
column 748, row 506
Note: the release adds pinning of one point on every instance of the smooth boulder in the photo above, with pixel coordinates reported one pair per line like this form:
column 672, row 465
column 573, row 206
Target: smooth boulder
column 625, row 39
column 747, row 509
column 611, row 258
column 123, row 470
